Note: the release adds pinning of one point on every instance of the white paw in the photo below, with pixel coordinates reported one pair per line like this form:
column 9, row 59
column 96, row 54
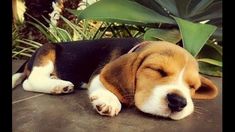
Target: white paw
column 105, row 103
column 63, row 87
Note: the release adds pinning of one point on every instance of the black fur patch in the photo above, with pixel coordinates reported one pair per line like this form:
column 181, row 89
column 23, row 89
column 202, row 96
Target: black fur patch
column 78, row 61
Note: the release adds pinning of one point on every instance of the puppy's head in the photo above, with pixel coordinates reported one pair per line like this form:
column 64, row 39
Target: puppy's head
column 160, row 79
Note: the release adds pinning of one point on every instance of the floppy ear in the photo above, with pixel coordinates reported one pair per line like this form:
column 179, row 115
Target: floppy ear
column 118, row 76
column 207, row 90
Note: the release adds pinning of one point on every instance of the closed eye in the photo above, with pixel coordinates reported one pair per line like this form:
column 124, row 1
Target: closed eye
column 161, row 72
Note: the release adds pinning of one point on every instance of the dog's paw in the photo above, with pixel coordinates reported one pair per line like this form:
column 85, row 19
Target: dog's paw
column 105, row 103
column 63, row 87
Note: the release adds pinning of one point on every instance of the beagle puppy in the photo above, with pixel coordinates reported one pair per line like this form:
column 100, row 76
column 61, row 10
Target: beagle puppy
column 158, row 77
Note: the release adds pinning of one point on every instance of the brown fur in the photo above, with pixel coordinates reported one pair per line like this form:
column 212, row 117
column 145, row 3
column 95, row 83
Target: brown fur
column 118, row 77
column 45, row 54
column 207, row 90
column 165, row 57
column 133, row 76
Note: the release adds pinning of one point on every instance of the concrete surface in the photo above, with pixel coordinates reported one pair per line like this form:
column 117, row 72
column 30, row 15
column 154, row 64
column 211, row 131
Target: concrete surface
column 36, row 112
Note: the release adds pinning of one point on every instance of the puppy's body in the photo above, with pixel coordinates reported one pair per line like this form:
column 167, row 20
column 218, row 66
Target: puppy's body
column 77, row 61
column 158, row 77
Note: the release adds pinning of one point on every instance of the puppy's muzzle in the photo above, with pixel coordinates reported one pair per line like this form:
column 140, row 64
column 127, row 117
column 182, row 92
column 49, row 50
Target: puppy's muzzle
column 176, row 102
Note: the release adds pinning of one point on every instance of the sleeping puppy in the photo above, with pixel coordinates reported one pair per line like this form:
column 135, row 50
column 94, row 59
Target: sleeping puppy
column 158, row 77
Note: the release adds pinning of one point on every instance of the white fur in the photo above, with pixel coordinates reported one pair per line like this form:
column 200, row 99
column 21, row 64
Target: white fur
column 84, row 85
column 103, row 98
column 17, row 79
column 39, row 81
column 157, row 103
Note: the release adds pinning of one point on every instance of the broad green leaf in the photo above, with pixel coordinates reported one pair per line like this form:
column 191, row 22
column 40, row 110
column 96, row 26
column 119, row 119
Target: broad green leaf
column 77, row 12
column 200, row 6
column 122, row 11
column 172, row 36
column 170, row 5
column 152, row 4
column 209, row 69
column 211, row 51
column 214, row 11
column 175, row 7
column 182, row 6
column 194, row 35
column 211, row 61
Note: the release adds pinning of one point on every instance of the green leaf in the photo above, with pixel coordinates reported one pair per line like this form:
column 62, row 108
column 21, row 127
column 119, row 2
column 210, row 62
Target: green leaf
column 20, row 53
column 214, row 11
column 182, row 6
column 211, row 51
column 209, row 69
column 211, row 61
column 218, row 48
column 63, row 34
column 201, row 6
column 170, row 5
column 76, row 29
column 77, row 12
column 33, row 42
column 44, row 31
column 178, row 8
column 194, row 35
column 27, row 43
column 122, row 11
column 172, row 35
column 152, row 4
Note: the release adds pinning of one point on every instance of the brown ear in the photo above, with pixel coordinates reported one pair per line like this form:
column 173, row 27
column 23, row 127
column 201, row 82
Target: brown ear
column 118, row 77
column 207, row 90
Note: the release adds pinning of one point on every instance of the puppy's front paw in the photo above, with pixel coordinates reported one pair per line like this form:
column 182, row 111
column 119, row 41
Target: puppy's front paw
column 105, row 103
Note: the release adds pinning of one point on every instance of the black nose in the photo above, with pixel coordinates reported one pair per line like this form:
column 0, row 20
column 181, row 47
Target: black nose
column 176, row 102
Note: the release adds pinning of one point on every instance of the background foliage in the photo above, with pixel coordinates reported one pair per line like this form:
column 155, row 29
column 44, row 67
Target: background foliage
column 196, row 25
